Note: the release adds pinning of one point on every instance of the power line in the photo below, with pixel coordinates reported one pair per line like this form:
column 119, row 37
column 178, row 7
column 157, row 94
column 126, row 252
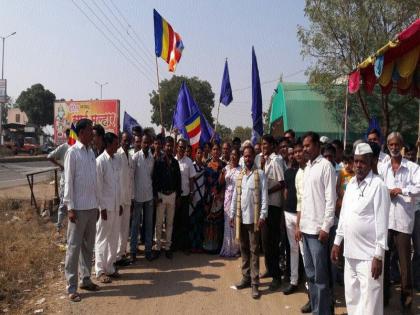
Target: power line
column 146, row 63
column 146, row 49
column 111, row 41
column 109, row 30
column 127, row 32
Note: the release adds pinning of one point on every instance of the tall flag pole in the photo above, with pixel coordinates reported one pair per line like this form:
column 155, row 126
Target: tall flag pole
column 168, row 46
column 225, row 93
column 257, row 118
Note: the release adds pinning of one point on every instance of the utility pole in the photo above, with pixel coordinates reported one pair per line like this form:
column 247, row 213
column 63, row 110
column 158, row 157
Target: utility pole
column 5, row 88
column 101, row 85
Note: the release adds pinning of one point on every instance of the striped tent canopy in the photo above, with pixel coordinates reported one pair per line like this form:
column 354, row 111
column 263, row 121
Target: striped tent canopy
column 394, row 65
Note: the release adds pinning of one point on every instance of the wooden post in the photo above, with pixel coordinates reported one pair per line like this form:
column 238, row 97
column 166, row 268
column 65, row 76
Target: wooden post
column 345, row 116
column 158, row 88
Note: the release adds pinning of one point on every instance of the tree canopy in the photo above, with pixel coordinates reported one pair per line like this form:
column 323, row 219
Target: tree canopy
column 200, row 90
column 340, row 35
column 38, row 104
column 244, row 133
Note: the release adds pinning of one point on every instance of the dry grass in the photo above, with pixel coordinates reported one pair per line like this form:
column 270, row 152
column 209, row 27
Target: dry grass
column 29, row 258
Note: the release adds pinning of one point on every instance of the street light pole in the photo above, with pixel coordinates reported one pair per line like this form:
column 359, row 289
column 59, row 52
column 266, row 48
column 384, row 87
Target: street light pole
column 101, row 85
column 2, row 77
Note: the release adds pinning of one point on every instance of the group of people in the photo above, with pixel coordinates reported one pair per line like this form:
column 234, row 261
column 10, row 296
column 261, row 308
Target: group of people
column 295, row 199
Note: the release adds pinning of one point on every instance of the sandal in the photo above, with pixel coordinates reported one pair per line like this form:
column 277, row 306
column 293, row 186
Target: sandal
column 90, row 287
column 74, row 297
column 115, row 275
column 103, row 278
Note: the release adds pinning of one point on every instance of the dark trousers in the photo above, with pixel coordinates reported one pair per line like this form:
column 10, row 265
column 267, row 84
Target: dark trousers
column 271, row 235
column 401, row 242
column 180, row 235
column 416, row 255
column 249, row 241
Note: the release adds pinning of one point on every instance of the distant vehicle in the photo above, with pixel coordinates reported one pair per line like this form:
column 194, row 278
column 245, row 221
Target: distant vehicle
column 47, row 148
column 29, row 146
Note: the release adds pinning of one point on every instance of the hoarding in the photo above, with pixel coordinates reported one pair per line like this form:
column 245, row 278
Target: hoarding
column 103, row 112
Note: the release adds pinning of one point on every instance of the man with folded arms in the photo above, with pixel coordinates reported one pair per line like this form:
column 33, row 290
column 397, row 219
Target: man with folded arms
column 363, row 226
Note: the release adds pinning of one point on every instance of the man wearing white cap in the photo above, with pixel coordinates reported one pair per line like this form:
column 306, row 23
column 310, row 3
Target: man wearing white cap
column 363, row 225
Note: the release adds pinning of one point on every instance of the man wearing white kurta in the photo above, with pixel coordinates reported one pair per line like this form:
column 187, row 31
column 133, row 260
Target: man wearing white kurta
column 127, row 183
column 108, row 168
column 363, row 225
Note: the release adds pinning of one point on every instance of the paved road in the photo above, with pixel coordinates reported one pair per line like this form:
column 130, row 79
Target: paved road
column 12, row 174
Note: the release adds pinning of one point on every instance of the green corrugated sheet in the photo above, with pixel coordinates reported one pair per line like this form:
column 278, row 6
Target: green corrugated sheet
column 303, row 109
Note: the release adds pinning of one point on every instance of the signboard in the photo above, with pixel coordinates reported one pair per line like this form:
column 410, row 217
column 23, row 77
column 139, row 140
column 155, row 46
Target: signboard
column 3, row 90
column 103, row 112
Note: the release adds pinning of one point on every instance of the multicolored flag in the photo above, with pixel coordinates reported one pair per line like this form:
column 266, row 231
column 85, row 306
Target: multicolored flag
column 193, row 128
column 168, row 43
column 72, row 136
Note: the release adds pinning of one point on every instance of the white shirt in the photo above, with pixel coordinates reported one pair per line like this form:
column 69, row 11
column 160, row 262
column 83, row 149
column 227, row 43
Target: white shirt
column 274, row 174
column 407, row 177
column 299, row 188
column 247, row 198
column 80, row 178
column 319, row 196
column 108, row 170
column 383, row 159
column 363, row 220
column 187, row 172
column 143, row 171
column 59, row 154
column 127, row 177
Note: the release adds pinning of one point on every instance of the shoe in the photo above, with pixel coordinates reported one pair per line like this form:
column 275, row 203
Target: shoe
column 169, row 254
column 406, row 303
column 132, row 258
column 275, row 284
column 265, row 275
column 123, row 262
column 255, row 292
column 307, row 308
column 150, row 256
column 156, row 254
column 243, row 284
column 290, row 289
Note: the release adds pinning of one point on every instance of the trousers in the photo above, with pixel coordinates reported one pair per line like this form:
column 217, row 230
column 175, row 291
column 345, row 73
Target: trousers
column 80, row 243
column 142, row 209
column 165, row 209
column 249, row 244
column 290, row 219
column 124, row 232
column 270, row 237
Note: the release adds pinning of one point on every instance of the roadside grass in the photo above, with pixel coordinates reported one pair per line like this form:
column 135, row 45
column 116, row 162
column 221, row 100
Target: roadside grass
column 29, row 257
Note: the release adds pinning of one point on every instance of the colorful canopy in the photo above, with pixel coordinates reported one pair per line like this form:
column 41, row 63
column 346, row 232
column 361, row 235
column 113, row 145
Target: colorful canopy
column 394, row 65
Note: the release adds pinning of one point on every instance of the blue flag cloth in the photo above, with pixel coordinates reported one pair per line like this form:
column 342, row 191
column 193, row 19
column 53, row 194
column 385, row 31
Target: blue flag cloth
column 226, row 90
column 128, row 123
column 185, row 108
column 257, row 118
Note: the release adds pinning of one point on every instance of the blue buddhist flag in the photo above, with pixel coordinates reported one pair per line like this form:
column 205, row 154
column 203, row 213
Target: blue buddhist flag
column 128, row 123
column 226, row 89
column 257, row 117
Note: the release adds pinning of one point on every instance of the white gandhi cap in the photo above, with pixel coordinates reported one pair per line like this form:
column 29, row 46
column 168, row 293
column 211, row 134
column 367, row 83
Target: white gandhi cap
column 363, row 148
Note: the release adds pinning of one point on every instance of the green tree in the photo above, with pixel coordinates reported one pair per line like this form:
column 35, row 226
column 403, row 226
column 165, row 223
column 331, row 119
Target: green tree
column 224, row 132
column 38, row 104
column 340, row 35
column 244, row 133
column 200, row 90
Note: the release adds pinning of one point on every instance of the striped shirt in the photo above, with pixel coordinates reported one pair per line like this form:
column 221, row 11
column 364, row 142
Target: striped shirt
column 108, row 170
column 80, row 178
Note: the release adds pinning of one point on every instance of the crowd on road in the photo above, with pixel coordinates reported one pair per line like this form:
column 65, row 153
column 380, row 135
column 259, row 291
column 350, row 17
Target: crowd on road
column 349, row 215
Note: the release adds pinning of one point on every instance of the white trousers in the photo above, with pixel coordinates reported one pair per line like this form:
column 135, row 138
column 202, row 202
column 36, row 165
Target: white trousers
column 106, row 244
column 124, row 232
column 290, row 219
column 165, row 209
column 364, row 295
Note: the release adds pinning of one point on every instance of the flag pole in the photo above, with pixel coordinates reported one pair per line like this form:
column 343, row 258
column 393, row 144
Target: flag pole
column 158, row 88
column 345, row 115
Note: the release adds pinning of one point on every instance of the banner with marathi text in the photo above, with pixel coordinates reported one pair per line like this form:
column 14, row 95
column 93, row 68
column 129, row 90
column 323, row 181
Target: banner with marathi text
column 103, row 112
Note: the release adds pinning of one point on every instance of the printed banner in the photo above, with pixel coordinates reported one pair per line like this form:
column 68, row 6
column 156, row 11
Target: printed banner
column 103, row 112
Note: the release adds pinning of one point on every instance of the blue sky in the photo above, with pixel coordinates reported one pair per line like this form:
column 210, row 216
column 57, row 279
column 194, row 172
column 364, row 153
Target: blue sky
column 57, row 46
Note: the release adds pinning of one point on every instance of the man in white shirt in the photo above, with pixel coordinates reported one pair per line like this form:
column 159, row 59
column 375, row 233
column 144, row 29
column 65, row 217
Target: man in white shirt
column 108, row 170
column 81, row 200
column 363, row 226
column 127, row 183
column 57, row 157
column 143, row 162
column 316, row 219
column 181, row 240
column 402, row 177
column 274, row 227
column 249, row 208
